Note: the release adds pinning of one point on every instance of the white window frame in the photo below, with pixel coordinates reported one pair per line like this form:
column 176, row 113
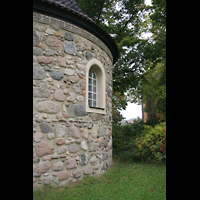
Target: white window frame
column 98, row 69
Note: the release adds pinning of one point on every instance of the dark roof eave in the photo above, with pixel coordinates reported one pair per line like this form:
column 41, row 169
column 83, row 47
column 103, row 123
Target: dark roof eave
column 82, row 21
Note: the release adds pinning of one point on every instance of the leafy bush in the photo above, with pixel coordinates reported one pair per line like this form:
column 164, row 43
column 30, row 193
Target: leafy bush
column 150, row 145
column 153, row 121
column 146, row 141
column 124, row 134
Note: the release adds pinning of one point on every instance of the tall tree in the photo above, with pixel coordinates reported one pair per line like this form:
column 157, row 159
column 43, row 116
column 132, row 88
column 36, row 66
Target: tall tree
column 127, row 21
column 96, row 8
column 152, row 82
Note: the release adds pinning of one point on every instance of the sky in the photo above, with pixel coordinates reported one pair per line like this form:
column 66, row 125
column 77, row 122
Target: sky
column 133, row 110
column 148, row 2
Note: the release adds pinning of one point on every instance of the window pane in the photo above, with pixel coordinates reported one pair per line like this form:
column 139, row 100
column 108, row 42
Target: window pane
column 90, row 102
column 90, row 73
column 94, row 76
column 90, row 88
column 90, row 95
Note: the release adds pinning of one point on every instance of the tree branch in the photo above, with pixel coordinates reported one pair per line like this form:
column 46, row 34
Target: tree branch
column 100, row 12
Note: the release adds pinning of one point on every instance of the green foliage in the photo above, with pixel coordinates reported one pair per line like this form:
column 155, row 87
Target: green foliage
column 123, row 134
column 97, row 9
column 150, row 145
column 153, row 121
column 153, row 87
column 118, row 103
column 140, row 141
column 141, row 69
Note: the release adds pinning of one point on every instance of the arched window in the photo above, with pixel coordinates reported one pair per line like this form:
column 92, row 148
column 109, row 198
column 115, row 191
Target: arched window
column 95, row 87
column 92, row 91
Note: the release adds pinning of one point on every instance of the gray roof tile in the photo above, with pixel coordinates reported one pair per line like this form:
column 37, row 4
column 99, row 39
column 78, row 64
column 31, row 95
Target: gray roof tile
column 69, row 4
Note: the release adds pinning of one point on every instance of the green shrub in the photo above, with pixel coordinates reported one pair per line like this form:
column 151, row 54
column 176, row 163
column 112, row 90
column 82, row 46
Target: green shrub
column 124, row 134
column 150, row 145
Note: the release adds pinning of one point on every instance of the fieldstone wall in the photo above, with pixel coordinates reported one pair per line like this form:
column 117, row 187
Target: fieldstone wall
column 68, row 142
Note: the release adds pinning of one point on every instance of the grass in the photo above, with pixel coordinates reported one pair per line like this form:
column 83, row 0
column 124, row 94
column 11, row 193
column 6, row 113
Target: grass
column 123, row 181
